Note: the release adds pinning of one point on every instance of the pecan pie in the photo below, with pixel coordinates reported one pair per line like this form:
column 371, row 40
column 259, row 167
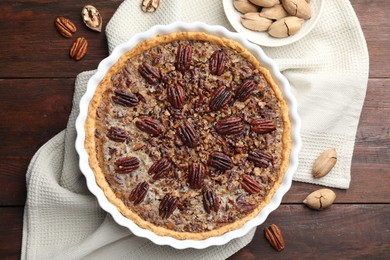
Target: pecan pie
column 188, row 135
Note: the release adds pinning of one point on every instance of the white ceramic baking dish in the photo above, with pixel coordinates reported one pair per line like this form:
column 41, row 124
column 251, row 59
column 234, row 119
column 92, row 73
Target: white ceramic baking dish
column 94, row 81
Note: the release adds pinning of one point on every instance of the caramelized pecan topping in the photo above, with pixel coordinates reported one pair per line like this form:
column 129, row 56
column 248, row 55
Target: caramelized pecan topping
column 183, row 57
column 168, row 206
column 220, row 161
column 217, row 62
column 188, row 134
column 250, row 185
column 262, row 125
column 139, row 192
column 245, row 90
column 127, row 164
column 242, row 205
column 148, row 125
column 260, row 158
column 149, row 73
column 117, row 134
column 125, row 98
column 210, row 200
column 220, row 98
column 196, row 175
column 160, row 168
column 175, row 94
column 229, row 125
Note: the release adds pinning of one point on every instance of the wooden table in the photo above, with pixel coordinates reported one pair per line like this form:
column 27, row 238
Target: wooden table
column 36, row 86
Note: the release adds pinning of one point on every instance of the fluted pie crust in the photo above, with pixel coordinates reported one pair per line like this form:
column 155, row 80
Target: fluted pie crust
column 94, row 146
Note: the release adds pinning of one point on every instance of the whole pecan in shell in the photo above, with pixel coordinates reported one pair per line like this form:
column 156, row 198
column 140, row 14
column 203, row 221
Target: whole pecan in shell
column 125, row 98
column 160, row 168
column 210, row 201
column 260, row 158
column 220, row 98
column 149, row 73
column 244, row 90
column 250, row 185
column 139, row 192
column 65, row 26
column 183, row 57
column 79, row 48
column 175, row 94
column 188, row 134
column 196, row 175
column 148, row 125
column 229, row 125
column 220, row 161
column 167, row 206
column 117, row 134
column 127, row 164
column 217, row 62
column 274, row 237
column 262, row 125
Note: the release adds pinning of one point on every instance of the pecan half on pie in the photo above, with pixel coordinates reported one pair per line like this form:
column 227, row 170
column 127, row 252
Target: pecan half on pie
column 188, row 135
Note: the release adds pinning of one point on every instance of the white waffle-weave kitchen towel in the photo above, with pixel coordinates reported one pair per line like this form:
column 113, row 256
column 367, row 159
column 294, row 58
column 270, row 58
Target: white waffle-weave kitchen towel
column 327, row 69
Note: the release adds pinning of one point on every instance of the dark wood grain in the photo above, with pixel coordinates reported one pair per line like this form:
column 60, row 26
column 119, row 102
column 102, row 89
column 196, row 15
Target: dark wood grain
column 11, row 223
column 36, row 87
column 342, row 231
column 326, row 234
column 371, row 159
column 34, row 49
column 45, row 53
column 35, row 111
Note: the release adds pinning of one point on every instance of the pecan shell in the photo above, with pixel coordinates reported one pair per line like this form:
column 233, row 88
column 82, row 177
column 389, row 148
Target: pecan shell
column 79, row 48
column 230, row 125
column 220, row 98
column 196, row 175
column 210, row 201
column 188, row 134
column 125, row 98
column 139, row 192
column 274, row 237
column 160, row 168
column 148, row 125
column 150, row 6
column 65, row 26
column 167, row 206
column 149, row 73
column 117, row 134
column 217, row 62
column 220, row 161
column 183, row 57
column 92, row 18
column 244, row 90
column 262, row 125
column 260, row 158
column 175, row 94
column 250, row 185
column 127, row 164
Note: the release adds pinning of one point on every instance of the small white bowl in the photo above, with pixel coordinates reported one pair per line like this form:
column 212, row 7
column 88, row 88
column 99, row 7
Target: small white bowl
column 93, row 83
column 263, row 38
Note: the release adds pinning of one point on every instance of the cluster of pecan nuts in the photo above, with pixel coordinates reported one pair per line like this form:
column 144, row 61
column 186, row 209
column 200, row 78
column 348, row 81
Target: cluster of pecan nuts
column 92, row 19
column 189, row 135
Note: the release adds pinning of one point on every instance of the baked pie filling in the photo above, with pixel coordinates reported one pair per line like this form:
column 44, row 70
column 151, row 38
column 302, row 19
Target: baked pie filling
column 188, row 135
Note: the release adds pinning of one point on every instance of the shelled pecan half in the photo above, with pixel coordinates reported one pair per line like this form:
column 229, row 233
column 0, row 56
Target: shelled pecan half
column 139, row 192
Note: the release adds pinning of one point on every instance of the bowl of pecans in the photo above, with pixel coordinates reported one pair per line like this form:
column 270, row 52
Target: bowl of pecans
column 273, row 23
